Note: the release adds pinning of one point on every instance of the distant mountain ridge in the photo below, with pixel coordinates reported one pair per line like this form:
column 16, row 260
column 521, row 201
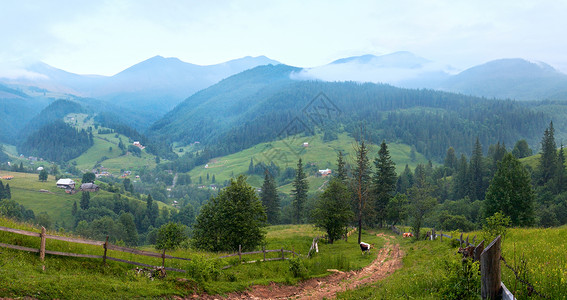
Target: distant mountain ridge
column 152, row 87
column 516, row 78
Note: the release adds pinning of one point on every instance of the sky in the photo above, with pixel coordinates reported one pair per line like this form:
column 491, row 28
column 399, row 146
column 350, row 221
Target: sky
column 106, row 37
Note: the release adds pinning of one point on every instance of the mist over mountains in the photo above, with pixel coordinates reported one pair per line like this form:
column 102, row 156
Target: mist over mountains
column 142, row 94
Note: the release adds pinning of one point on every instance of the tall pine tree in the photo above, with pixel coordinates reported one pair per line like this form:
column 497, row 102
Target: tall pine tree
column 476, row 172
column 548, row 158
column 383, row 182
column 360, row 182
column 299, row 193
column 270, row 199
column 341, row 168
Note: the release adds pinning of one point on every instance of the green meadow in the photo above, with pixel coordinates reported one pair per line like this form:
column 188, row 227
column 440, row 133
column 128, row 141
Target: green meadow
column 285, row 153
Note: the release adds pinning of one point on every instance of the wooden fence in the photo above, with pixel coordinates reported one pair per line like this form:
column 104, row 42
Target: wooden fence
column 107, row 246
column 492, row 286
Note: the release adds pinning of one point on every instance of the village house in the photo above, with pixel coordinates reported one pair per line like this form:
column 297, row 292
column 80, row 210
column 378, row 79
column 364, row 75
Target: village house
column 89, row 187
column 137, row 144
column 66, row 183
column 325, row 172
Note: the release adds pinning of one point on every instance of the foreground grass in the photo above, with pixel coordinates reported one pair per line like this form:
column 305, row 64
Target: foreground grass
column 421, row 276
column 539, row 255
column 22, row 275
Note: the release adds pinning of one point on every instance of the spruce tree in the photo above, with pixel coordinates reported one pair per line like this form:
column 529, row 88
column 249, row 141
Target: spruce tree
column 251, row 167
column 341, row 168
column 461, row 179
column 7, row 192
column 510, row 192
column 299, row 193
column 405, row 181
column 548, row 158
column 476, row 172
column 85, row 200
column 360, row 183
column 451, row 160
column 74, row 209
column 1, row 190
column 561, row 173
column 384, row 182
column 270, row 199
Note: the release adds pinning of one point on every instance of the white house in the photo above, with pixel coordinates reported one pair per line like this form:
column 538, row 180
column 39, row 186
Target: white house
column 325, row 172
column 66, row 183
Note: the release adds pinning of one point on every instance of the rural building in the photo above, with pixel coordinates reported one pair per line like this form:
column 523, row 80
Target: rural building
column 7, row 177
column 137, row 144
column 305, row 144
column 325, row 172
column 89, row 187
column 66, row 183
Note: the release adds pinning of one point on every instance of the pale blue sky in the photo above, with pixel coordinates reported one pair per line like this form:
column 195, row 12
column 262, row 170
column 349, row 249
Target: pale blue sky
column 105, row 37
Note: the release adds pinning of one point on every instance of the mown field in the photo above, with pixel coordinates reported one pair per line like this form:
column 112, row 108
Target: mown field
column 320, row 154
column 21, row 274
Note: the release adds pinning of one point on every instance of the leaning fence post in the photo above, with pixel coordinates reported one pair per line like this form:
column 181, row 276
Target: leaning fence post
column 282, row 254
column 461, row 240
column 42, row 245
column 490, row 270
column 163, row 258
column 264, row 251
column 240, row 252
column 478, row 250
column 105, row 245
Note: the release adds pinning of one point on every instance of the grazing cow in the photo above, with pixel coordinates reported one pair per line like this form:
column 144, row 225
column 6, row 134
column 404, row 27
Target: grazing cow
column 467, row 251
column 408, row 234
column 365, row 247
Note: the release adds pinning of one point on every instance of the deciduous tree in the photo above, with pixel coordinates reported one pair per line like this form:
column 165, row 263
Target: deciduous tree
column 332, row 211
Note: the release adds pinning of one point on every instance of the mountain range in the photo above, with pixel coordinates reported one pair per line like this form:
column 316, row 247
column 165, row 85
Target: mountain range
column 163, row 93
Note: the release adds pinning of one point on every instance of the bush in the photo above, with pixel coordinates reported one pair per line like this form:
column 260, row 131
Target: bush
column 170, row 236
column 496, row 225
column 202, row 269
column 297, row 267
column 461, row 281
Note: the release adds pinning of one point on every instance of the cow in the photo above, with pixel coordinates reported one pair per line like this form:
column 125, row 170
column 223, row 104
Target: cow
column 408, row 234
column 365, row 247
column 467, row 251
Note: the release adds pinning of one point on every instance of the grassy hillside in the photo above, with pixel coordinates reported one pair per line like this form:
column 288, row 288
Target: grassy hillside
column 101, row 155
column 79, row 278
column 25, row 189
column 318, row 155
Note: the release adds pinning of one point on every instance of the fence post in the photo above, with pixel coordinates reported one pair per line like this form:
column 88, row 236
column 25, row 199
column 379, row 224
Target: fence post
column 478, row 250
column 293, row 251
column 441, row 238
column 490, row 270
column 42, row 245
column 283, row 258
column 105, row 248
column 240, row 253
column 264, row 251
column 461, row 240
column 163, row 258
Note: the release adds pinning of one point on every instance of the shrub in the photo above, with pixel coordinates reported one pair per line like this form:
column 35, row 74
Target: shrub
column 461, row 281
column 202, row 269
column 495, row 225
column 297, row 267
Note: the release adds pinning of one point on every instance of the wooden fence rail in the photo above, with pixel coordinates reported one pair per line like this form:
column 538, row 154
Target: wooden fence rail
column 106, row 246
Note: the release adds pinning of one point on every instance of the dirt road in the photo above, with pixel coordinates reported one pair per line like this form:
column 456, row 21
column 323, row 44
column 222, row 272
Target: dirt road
column 388, row 260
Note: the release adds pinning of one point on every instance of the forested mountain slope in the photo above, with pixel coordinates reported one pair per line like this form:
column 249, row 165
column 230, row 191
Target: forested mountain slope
column 257, row 105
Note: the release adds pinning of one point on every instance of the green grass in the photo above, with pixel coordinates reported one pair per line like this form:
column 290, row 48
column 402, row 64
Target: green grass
column 422, row 275
column 77, row 278
column 321, row 154
column 100, row 152
column 57, row 204
column 545, row 255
